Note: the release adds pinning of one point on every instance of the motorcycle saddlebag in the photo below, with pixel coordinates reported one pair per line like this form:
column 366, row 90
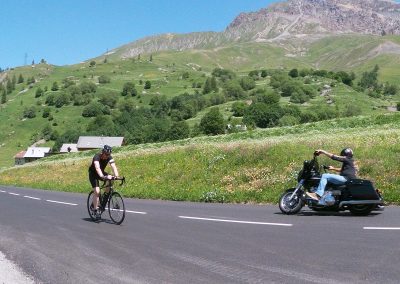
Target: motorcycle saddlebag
column 361, row 189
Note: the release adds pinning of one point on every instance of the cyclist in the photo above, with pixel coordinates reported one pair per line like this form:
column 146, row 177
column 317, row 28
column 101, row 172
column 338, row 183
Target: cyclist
column 96, row 173
column 347, row 171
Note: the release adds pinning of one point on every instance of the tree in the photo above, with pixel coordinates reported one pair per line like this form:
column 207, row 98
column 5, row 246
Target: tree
column 29, row 112
column 92, row 63
column 39, row 92
column 268, row 97
column 179, row 130
column 94, row 109
column 20, row 79
column 207, row 86
column 147, row 85
column 294, row 73
column 185, row 75
column 254, row 74
column 369, row 80
column 345, row 78
column 263, row 115
column 108, row 100
column 67, row 82
column 62, row 99
column 9, row 87
column 101, row 125
column 55, row 87
column 247, row 83
column 212, row 122
column 30, row 80
column 264, row 73
column 129, row 89
column 70, row 136
column 46, row 112
column 234, row 90
column 88, row 87
column 47, row 132
column 390, row 89
column 4, row 97
column 239, row 108
column 151, row 58
column 104, row 79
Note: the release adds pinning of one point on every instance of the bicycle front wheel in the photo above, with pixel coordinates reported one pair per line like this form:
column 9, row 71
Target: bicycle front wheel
column 90, row 206
column 116, row 208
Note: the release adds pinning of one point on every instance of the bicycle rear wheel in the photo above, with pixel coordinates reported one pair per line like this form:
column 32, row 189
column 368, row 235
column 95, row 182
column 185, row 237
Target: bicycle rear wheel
column 116, row 208
column 90, row 206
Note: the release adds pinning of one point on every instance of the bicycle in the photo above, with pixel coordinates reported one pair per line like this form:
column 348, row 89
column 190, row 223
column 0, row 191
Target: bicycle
column 114, row 201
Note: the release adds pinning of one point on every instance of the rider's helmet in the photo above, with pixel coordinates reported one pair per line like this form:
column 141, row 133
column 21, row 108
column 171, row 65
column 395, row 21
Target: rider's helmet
column 107, row 149
column 347, row 152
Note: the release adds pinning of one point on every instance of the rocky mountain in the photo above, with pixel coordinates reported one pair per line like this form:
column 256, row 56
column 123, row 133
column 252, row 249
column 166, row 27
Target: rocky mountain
column 294, row 19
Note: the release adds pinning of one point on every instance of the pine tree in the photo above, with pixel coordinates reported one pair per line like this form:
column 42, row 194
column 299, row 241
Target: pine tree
column 4, row 97
column 20, row 79
column 207, row 86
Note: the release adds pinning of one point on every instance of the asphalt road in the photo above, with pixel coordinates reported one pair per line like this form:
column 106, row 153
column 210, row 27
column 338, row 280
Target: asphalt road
column 180, row 242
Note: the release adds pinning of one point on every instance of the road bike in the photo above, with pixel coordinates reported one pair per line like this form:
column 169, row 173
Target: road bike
column 112, row 202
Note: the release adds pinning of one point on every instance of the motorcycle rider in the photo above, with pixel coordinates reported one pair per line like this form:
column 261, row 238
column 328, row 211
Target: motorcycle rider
column 346, row 172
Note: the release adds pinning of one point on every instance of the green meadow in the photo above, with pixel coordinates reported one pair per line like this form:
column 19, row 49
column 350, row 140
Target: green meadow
column 248, row 167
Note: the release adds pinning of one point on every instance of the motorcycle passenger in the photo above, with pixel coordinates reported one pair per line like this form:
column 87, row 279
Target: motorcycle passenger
column 346, row 172
column 96, row 173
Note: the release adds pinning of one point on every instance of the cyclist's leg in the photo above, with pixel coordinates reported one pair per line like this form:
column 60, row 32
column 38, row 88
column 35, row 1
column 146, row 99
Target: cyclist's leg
column 106, row 194
column 96, row 189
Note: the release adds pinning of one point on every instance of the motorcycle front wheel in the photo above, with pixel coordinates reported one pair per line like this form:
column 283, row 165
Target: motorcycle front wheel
column 290, row 205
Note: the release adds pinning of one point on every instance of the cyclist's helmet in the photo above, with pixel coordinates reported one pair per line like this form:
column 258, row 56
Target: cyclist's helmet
column 347, row 152
column 107, row 149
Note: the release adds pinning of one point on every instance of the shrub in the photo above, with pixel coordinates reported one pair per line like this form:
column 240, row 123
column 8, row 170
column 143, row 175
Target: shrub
column 103, row 79
column 212, row 122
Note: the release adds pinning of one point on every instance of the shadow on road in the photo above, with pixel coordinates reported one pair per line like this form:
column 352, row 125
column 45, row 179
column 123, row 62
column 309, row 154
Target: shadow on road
column 98, row 221
column 330, row 213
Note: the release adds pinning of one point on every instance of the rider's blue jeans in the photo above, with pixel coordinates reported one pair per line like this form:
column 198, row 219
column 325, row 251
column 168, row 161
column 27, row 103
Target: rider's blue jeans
column 332, row 178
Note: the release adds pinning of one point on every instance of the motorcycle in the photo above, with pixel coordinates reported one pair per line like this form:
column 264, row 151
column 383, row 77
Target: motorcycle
column 359, row 196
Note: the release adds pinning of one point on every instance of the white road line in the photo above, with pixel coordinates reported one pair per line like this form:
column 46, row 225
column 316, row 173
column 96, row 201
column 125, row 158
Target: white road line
column 134, row 212
column 12, row 193
column 59, row 202
column 30, row 197
column 3, row 191
column 236, row 221
column 381, row 228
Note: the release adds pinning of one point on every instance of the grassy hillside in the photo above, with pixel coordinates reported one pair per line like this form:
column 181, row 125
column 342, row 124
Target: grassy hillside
column 253, row 167
column 165, row 73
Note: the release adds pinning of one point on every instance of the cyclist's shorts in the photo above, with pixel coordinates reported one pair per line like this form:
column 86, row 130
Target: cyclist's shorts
column 94, row 179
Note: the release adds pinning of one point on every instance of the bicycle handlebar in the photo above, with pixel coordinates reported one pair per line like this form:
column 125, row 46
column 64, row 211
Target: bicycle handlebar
column 122, row 179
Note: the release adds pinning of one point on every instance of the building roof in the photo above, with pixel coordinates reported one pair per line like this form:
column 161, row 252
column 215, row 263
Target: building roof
column 37, row 152
column 20, row 155
column 64, row 148
column 92, row 142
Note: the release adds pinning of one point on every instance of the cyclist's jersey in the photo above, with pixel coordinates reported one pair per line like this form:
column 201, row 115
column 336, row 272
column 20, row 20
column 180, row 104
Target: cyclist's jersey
column 103, row 163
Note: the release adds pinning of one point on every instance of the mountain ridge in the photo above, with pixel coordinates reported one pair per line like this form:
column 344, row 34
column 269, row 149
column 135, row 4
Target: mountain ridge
column 308, row 20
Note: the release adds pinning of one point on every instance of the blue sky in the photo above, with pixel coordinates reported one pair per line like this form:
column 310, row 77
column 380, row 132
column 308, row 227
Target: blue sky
column 70, row 31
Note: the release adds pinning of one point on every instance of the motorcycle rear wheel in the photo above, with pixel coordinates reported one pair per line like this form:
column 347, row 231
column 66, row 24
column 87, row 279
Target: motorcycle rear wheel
column 290, row 206
column 361, row 210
